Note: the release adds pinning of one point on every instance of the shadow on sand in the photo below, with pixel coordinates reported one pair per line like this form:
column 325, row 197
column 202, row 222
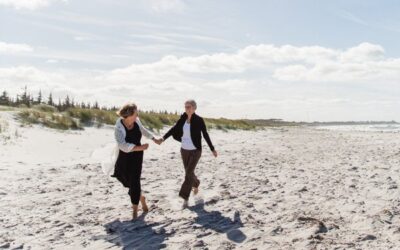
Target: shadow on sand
column 216, row 221
column 136, row 234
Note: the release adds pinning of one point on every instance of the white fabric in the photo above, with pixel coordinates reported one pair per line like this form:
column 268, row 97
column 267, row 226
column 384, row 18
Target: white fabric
column 119, row 134
column 108, row 155
column 187, row 142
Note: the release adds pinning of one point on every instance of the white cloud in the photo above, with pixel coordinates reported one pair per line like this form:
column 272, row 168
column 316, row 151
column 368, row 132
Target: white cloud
column 28, row 74
column 12, row 48
column 363, row 52
column 51, row 61
column 295, row 83
column 163, row 6
column 82, row 38
column 26, row 4
column 363, row 62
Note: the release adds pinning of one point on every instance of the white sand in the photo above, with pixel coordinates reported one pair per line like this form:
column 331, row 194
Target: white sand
column 294, row 188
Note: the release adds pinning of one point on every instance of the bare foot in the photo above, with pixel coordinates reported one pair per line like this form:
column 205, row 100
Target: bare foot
column 144, row 205
column 195, row 190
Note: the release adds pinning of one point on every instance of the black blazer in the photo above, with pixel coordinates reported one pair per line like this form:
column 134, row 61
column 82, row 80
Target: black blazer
column 197, row 126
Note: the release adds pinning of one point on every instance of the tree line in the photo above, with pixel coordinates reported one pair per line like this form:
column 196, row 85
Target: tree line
column 26, row 99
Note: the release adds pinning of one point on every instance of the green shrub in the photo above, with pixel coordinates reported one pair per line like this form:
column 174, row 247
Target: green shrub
column 6, row 108
column 22, row 106
column 52, row 120
column 227, row 124
column 45, row 108
column 93, row 116
column 85, row 116
column 75, row 118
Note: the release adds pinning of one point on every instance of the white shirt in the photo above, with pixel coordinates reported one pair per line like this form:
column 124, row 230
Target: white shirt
column 187, row 142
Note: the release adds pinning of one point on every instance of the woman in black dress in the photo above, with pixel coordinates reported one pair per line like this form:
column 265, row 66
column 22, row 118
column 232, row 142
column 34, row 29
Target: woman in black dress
column 128, row 167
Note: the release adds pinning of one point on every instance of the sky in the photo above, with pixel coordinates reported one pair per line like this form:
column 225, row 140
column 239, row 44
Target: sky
column 288, row 59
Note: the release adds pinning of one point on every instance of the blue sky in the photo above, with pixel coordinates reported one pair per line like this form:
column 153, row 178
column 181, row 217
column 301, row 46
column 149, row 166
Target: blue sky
column 296, row 60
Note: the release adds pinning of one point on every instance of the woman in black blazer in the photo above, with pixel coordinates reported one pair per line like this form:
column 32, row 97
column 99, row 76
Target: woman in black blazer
column 188, row 130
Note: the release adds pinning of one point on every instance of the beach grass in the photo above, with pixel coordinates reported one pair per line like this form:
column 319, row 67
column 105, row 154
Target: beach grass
column 56, row 120
column 78, row 118
column 6, row 108
column 2, row 126
column 90, row 117
column 228, row 124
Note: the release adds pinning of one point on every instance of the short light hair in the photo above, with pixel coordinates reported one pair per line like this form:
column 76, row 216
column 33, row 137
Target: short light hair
column 127, row 110
column 192, row 103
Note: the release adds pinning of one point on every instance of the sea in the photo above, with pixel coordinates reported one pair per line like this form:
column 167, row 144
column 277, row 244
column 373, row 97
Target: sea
column 386, row 128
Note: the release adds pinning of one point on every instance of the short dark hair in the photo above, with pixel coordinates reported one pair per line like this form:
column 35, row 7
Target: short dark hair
column 127, row 110
column 192, row 103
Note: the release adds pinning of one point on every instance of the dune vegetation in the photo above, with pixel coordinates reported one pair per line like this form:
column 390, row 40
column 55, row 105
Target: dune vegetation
column 78, row 118
column 69, row 114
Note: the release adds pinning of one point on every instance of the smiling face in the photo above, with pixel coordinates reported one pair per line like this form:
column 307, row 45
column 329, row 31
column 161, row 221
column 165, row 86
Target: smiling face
column 189, row 109
column 129, row 113
column 132, row 118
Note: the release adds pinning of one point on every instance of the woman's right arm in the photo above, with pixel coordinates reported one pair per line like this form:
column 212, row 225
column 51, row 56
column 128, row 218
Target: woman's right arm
column 172, row 130
column 169, row 133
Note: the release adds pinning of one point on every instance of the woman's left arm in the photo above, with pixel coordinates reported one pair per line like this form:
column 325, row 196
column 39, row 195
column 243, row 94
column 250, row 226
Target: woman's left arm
column 206, row 136
column 144, row 130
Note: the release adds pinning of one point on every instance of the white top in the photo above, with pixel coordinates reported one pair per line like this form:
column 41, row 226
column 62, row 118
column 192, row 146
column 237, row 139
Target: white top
column 187, row 142
column 108, row 163
column 120, row 133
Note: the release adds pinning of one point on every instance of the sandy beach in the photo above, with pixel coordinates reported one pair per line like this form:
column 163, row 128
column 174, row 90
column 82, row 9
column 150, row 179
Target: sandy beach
column 277, row 188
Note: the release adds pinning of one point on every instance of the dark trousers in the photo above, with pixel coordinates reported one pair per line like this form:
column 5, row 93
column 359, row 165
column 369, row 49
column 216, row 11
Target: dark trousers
column 190, row 159
column 134, row 187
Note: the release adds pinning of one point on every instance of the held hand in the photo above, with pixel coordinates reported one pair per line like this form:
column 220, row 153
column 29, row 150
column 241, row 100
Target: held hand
column 215, row 153
column 158, row 141
column 145, row 146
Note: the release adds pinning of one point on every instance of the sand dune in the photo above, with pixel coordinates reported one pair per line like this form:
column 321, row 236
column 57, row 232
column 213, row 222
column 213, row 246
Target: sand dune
column 296, row 188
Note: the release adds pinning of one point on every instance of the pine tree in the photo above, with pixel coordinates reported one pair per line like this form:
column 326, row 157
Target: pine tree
column 67, row 103
column 4, row 99
column 17, row 101
column 59, row 105
column 25, row 98
column 39, row 98
column 50, row 100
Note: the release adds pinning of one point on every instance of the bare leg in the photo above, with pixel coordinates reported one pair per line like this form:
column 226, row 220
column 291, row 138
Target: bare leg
column 144, row 205
column 135, row 211
column 185, row 204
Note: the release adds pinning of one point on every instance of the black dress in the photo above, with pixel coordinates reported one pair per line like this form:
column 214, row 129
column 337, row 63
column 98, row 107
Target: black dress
column 128, row 167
